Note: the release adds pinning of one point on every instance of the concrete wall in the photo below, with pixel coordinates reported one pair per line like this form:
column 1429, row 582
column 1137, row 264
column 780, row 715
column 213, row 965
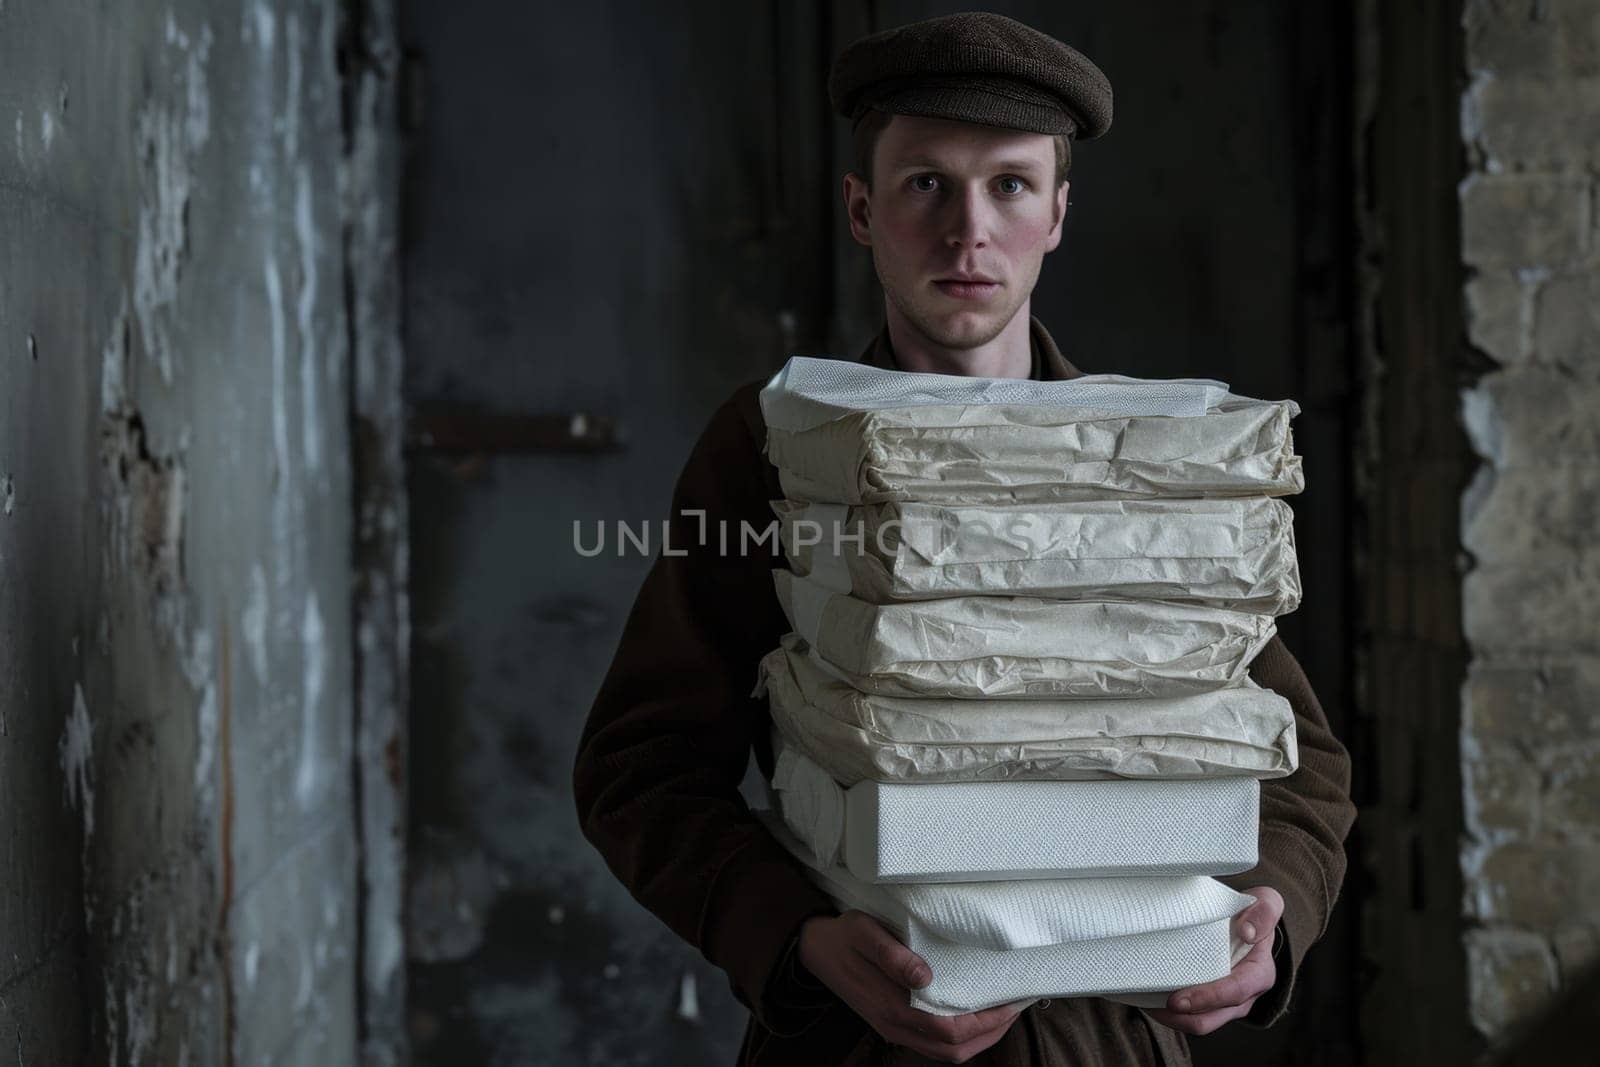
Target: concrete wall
column 1530, row 724
column 175, row 538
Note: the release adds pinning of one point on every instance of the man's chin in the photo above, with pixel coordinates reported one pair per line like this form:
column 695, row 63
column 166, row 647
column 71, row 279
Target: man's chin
column 963, row 329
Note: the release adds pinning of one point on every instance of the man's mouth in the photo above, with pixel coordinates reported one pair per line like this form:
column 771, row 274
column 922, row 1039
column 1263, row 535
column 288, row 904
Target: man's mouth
column 967, row 286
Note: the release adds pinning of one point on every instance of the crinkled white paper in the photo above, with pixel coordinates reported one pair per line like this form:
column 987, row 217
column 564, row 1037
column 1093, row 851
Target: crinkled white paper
column 1236, row 554
column 1003, row 646
column 842, row 432
column 855, row 736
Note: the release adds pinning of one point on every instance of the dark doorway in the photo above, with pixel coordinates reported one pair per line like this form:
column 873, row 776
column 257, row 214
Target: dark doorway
column 615, row 212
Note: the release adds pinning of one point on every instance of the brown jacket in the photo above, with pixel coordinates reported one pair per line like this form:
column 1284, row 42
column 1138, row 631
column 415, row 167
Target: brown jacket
column 672, row 729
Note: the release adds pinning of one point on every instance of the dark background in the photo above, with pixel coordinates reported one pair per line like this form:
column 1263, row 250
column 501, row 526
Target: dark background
column 627, row 211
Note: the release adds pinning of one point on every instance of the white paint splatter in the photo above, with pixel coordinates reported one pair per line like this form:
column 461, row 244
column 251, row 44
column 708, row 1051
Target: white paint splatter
column 47, row 129
column 253, row 621
column 281, row 518
column 195, row 650
column 168, row 142
column 111, row 1021
column 306, row 232
column 205, row 729
column 19, row 135
column 163, row 231
column 291, row 107
column 198, row 121
column 1478, row 418
column 114, row 365
column 266, row 26
column 141, row 1027
column 311, row 639
column 74, row 752
column 688, row 999
column 252, row 964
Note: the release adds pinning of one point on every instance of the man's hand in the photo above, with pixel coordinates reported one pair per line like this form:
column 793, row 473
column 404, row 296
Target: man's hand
column 868, row 969
column 1203, row 1008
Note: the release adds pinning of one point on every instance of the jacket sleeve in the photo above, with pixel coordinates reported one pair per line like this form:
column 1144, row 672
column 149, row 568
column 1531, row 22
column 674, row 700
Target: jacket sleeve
column 670, row 734
column 1304, row 820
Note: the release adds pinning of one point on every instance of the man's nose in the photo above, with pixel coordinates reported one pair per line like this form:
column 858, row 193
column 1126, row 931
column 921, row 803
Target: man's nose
column 970, row 217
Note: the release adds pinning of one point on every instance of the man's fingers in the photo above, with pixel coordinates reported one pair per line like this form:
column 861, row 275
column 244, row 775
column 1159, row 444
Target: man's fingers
column 959, row 1029
column 1251, row 978
column 902, row 966
column 1259, row 919
column 1201, row 1024
column 956, row 1038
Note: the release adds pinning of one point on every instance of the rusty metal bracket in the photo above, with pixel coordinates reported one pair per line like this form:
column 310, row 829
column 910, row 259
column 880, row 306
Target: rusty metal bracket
column 461, row 431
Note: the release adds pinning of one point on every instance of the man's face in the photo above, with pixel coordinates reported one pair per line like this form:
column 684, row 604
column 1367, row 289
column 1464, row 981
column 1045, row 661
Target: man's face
column 959, row 219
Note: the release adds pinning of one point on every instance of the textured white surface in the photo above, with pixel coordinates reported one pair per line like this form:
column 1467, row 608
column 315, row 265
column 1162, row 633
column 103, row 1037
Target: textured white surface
column 991, row 943
column 1002, row 646
column 1235, row 554
column 986, row 831
column 808, row 391
column 856, row 736
column 847, row 433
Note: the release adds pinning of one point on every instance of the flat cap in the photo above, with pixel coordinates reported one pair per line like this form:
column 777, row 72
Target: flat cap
column 974, row 67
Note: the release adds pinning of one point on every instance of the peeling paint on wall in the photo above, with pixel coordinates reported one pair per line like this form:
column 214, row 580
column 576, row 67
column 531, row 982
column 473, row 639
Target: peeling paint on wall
column 282, row 489
column 306, row 306
column 169, row 140
column 253, row 622
column 311, row 639
column 76, row 751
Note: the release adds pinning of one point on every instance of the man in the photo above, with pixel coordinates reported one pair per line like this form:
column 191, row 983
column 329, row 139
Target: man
column 963, row 130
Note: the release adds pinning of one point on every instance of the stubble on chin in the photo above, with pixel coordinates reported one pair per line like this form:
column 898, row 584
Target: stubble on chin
column 973, row 331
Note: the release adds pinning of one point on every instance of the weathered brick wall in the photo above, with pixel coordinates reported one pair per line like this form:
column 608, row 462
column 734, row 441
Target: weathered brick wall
column 1530, row 731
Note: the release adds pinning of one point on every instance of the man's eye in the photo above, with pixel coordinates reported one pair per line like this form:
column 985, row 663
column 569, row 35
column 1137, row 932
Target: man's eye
column 924, row 183
column 1012, row 186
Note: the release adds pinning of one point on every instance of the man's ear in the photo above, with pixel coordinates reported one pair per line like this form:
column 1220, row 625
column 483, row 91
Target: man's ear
column 858, row 208
column 1060, row 216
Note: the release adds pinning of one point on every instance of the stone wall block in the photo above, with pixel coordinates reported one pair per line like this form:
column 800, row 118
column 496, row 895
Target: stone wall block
column 1497, row 314
column 1515, row 703
column 1534, row 418
column 1530, row 513
column 1577, row 948
column 1544, row 884
column 1538, row 122
column 1553, row 38
column 1549, row 605
column 1501, row 790
column 1510, row 975
column 1566, row 325
column 1517, row 220
column 1572, row 798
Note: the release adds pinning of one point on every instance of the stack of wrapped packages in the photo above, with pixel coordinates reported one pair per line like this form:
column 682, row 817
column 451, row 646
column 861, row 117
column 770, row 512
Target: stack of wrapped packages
column 1013, row 720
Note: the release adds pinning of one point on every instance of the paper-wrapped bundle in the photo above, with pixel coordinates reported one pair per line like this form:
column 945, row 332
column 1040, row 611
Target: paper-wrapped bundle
column 848, row 433
column 1002, row 646
column 989, row 943
column 992, row 831
column 854, row 736
column 1235, row 554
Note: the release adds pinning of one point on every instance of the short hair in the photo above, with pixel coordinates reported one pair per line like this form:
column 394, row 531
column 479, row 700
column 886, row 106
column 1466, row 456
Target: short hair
column 864, row 139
